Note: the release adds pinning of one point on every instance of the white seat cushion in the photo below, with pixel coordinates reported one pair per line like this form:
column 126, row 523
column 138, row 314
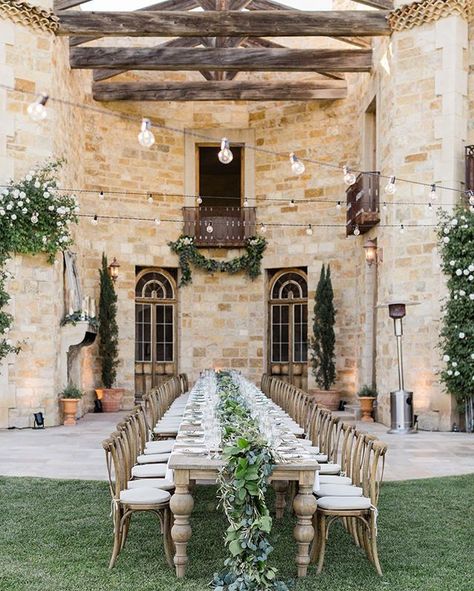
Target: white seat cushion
column 162, row 483
column 331, row 479
column 329, row 469
column 308, row 443
column 159, row 447
column 164, row 430
column 339, row 490
column 153, row 458
column 321, row 458
column 144, row 496
column 344, row 503
column 149, row 471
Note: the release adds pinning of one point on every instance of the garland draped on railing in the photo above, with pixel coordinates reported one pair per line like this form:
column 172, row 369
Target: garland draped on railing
column 243, row 483
column 188, row 254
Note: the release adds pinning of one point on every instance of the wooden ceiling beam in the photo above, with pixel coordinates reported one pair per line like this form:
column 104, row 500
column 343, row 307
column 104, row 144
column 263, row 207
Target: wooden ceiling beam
column 252, row 59
column 65, row 4
column 288, row 23
column 220, row 91
column 381, row 4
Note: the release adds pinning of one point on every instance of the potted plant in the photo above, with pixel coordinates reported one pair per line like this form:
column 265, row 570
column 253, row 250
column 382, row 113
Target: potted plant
column 323, row 341
column 108, row 342
column 69, row 398
column 367, row 396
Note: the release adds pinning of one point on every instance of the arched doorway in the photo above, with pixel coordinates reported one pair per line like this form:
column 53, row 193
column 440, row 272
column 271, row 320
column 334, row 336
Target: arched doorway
column 288, row 327
column 155, row 329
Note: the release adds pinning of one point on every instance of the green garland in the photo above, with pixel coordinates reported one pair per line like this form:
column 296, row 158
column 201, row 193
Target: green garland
column 456, row 242
column 243, row 483
column 189, row 254
column 34, row 218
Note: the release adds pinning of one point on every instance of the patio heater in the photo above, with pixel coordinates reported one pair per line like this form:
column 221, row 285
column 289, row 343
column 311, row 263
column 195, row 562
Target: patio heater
column 401, row 400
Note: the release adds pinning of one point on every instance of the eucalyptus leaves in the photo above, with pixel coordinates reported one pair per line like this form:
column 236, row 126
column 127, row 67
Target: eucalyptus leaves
column 189, row 255
column 242, row 486
column 34, row 218
column 456, row 239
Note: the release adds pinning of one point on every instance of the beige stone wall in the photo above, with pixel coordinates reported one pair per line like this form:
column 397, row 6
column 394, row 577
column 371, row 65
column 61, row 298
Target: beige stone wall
column 222, row 318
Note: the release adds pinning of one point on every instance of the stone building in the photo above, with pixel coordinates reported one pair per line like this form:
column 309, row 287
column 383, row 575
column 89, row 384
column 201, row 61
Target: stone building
column 411, row 117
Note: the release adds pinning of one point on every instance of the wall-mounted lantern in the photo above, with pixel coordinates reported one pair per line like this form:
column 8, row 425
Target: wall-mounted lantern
column 373, row 254
column 114, row 270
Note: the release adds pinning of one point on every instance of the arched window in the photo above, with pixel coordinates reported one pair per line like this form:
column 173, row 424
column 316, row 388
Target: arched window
column 288, row 306
column 155, row 328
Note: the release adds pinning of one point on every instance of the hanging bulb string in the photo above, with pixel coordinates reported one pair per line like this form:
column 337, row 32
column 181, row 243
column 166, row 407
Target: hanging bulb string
column 272, row 200
column 184, row 132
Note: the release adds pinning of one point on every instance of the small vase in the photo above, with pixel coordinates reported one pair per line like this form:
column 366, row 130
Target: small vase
column 69, row 410
column 366, row 408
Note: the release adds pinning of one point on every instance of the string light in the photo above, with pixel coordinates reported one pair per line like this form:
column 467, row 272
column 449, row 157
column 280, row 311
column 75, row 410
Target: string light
column 263, row 228
column 309, row 230
column 356, row 230
column 430, row 205
column 150, row 198
column 225, row 154
column 37, row 109
column 146, row 137
column 101, row 195
column 292, row 203
column 433, row 195
column 297, row 167
column 338, row 205
column 95, row 220
column 199, row 200
column 349, row 176
column 246, row 202
column 402, row 229
column 157, row 221
column 384, row 206
column 209, row 228
column 390, row 187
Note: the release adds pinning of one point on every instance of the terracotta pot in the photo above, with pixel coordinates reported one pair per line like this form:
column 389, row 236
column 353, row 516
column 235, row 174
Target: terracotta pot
column 366, row 408
column 326, row 398
column 111, row 398
column 69, row 410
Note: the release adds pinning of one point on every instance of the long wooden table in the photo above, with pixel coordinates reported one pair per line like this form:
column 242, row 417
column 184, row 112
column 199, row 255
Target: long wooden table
column 188, row 469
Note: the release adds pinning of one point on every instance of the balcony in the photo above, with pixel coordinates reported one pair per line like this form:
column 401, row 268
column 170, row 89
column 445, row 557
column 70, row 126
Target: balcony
column 469, row 151
column 363, row 203
column 231, row 226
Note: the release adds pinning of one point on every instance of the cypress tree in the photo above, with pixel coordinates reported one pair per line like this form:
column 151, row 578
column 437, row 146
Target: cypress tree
column 108, row 329
column 323, row 340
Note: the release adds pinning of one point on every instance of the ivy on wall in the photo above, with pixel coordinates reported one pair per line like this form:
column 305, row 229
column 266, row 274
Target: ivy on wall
column 456, row 244
column 35, row 217
column 189, row 254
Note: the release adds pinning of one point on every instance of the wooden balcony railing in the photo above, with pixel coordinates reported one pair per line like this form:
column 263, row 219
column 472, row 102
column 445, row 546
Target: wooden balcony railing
column 231, row 226
column 363, row 203
column 469, row 150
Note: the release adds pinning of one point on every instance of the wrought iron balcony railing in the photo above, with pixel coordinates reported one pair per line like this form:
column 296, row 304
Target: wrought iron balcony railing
column 363, row 203
column 219, row 226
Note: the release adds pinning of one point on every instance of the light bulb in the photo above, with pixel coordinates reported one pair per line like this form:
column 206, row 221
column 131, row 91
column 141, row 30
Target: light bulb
column 384, row 206
column 37, row 110
column 246, row 202
column 356, row 230
column 146, row 137
column 309, row 230
column 338, row 205
column 157, row 221
column 263, row 228
column 390, row 187
column 349, row 177
column 430, row 205
column 101, row 195
column 199, row 200
column 297, row 166
column 402, row 229
column 209, row 228
column 292, row 203
column 225, row 155
column 433, row 195
column 150, row 198
column 95, row 220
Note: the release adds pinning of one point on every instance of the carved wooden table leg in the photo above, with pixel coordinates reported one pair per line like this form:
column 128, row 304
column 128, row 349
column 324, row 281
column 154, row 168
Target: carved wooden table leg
column 181, row 505
column 304, row 506
column 281, row 488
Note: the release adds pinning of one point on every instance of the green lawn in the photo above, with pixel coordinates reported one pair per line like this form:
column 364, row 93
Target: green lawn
column 57, row 536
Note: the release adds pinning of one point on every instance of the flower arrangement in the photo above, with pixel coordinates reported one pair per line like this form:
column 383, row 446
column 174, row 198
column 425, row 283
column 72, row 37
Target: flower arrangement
column 35, row 217
column 189, row 254
column 456, row 245
column 242, row 487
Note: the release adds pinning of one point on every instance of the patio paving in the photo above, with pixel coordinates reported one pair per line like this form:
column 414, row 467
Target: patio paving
column 76, row 452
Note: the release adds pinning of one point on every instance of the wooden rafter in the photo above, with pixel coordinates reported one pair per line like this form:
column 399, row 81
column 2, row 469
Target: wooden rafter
column 225, row 23
column 65, row 4
column 219, row 90
column 382, row 4
column 276, row 60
